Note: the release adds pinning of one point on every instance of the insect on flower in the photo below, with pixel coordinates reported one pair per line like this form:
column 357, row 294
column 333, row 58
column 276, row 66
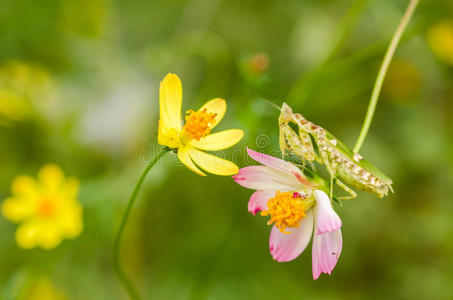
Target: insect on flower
column 195, row 134
column 46, row 207
column 313, row 142
column 298, row 209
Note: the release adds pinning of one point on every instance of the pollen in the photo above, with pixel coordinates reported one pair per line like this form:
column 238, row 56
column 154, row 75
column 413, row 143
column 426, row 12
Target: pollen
column 199, row 123
column 286, row 210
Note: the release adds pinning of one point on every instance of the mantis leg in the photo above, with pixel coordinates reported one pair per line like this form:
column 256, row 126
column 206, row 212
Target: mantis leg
column 348, row 190
column 331, row 168
column 282, row 143
column 331, row 187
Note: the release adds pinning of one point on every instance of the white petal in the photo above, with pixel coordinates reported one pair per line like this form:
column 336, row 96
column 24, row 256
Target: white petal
column 265, row 178
column 286, row 247
column 326, row 252
column 326, row 218
column 274, row 162
column 258, row 200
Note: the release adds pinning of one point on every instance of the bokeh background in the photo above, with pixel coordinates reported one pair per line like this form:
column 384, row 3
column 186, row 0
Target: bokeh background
column 79, row 87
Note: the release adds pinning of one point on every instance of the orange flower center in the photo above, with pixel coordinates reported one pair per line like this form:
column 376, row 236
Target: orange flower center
column 286, row 210
column 198, row 123
column 46, row 207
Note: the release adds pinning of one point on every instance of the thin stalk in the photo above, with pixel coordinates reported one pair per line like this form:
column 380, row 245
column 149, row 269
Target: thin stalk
column 128, row 285
column 382, row 72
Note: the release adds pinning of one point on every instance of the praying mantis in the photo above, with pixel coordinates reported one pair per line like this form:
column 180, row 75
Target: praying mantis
column 313, row 143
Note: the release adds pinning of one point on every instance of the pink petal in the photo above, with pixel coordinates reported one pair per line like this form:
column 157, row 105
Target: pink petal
column 326, row 218
column 326, row 252
column 258, row 200
column 265, row 178
column 275, row 163
column 286, row 247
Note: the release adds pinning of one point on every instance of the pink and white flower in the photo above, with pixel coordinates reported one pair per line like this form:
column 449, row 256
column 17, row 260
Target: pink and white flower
column 297, row 207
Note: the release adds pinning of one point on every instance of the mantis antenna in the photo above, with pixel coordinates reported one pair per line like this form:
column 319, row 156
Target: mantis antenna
column 272, row 104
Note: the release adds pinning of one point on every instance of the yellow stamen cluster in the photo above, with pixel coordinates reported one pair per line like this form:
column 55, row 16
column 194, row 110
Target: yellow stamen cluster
column 198, row 123
column 46, row 207
column 286, row 209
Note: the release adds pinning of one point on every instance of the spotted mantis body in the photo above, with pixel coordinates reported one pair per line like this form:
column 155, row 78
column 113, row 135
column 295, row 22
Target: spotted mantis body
column 313, row 143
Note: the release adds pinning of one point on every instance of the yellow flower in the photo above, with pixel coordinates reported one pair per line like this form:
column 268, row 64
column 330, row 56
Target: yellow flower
column 195, row 134
column 42, row 288
column 440, row 39
column 12, row 106
column 24, row 89
column 46, row 207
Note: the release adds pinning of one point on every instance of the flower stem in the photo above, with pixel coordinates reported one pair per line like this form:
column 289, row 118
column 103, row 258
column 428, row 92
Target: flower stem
column 128, row 285
column 383, row 71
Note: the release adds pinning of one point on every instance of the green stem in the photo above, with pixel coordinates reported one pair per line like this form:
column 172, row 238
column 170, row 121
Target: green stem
column 128, row 285
column 383, row 71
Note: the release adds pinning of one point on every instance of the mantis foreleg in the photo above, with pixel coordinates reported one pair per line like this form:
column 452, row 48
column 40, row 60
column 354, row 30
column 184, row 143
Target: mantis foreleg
column 351, row 193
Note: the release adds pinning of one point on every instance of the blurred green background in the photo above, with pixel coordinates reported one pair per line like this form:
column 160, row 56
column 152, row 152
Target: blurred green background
column 79, row 87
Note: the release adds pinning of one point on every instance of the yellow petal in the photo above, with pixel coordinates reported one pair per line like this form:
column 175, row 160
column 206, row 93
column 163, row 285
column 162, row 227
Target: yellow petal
column 34, row 233
column 70, row 188
column 24, row 186
column 71, row 221
column 167, row 136
column 217, row 106
column 74, row 228
column 213, row 164
column 26, row 234
column 183, row 155
column 170, row 101
column 51, row 176
column 218, row 141
column 18, row 208
column 49, row 236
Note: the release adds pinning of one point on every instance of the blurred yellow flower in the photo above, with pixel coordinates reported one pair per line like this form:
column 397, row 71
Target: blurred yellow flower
column 403, row 82
column 42, row 289
column 20, row 83
column 12, row 106
column 440, row 40
column 46, row 207
column 195, row 134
